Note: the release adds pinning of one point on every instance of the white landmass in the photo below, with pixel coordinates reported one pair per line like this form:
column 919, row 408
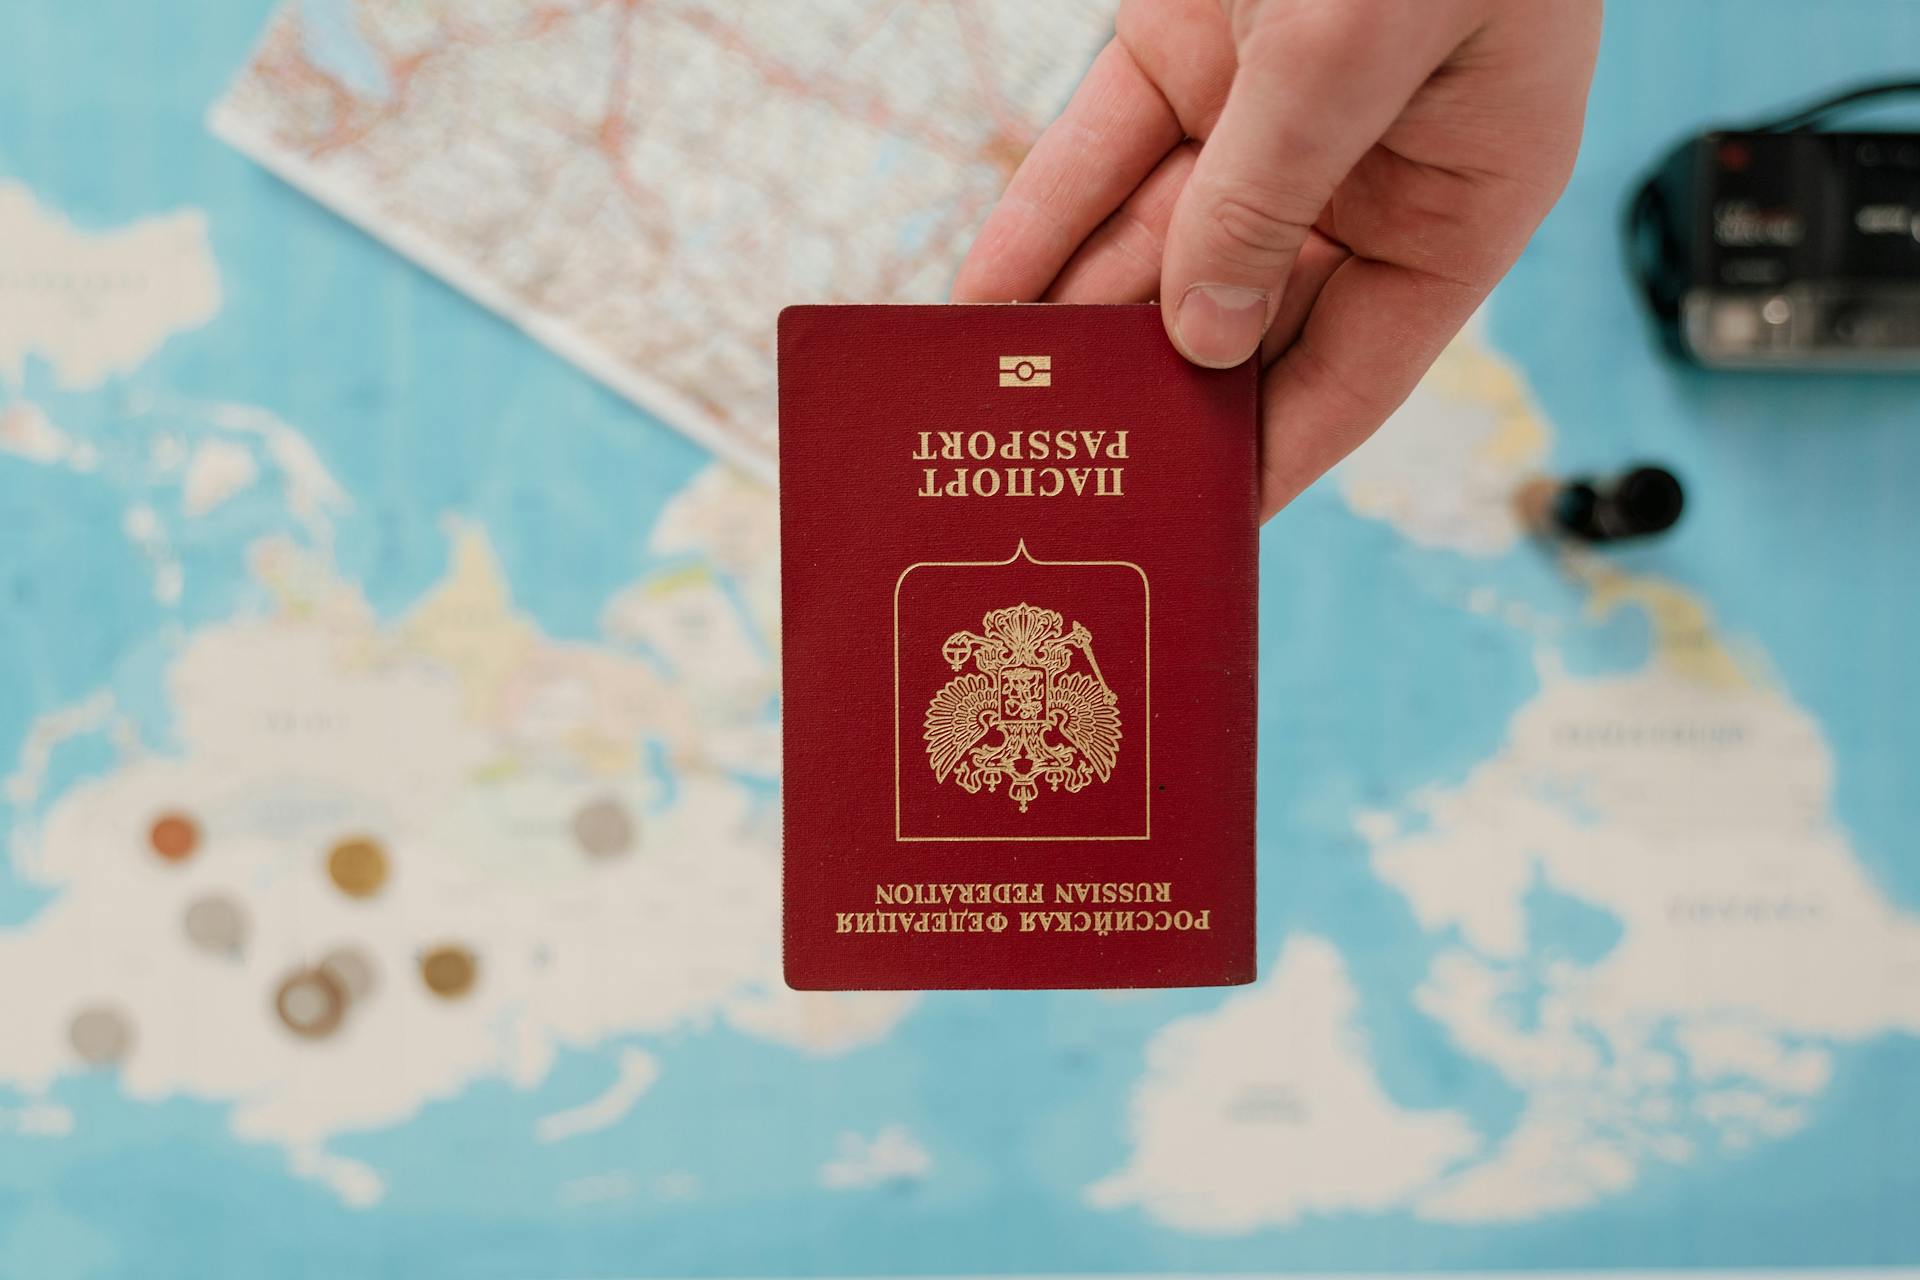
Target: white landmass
column 219, row 470
column 229, row 448
column 1268, row 1109
column 26, row 432
column 466, row 742
column 1687, row 803
column 37, row 1120
column 1443, row 469
column 1691, row 803
column 891, row 1155
column 147, row 531
column 818, row 1022
column 356, row 1183
column 724, row 518
column 312, row 494
column 92, row 715
column 1692, row 806
column 96, row 305
column 636, row 1070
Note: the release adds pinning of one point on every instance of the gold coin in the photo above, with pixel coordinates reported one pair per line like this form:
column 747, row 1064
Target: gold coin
column 449, row 971
column 311, row 1003
column 358, row 867
column 174, row 836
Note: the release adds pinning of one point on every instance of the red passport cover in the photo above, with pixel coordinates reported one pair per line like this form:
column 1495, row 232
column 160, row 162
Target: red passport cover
column 1018, row 589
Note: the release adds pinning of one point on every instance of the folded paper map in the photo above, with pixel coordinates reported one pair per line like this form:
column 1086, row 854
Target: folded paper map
column 642, row 187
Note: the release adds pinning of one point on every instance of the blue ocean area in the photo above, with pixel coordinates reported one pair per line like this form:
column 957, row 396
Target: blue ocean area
column 1377, row 686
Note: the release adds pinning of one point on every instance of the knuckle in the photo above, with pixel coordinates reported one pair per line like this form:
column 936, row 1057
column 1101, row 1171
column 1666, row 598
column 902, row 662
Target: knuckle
column 1266, row 32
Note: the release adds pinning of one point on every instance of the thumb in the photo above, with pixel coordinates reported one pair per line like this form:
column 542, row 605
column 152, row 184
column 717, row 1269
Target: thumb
column 1316, row 87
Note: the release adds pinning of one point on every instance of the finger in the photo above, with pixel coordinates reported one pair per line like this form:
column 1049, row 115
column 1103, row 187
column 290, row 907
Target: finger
column 1186, row 49
column 1480, row 153
column 1120, row 262
column 1315, row 89
column 1318, row 259
column 1111, row 135
column 1371, row 333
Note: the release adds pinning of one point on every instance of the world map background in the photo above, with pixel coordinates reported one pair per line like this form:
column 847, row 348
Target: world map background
column 1008, row 1132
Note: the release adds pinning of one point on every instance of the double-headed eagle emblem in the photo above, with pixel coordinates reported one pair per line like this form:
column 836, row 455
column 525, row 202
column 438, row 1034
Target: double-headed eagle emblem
column 1027, row 713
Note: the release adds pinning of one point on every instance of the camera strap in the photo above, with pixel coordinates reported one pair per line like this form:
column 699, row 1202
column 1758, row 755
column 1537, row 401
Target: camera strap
column 1818, row 113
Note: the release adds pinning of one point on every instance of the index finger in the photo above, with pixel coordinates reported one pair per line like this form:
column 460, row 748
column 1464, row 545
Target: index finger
column 1117, row 127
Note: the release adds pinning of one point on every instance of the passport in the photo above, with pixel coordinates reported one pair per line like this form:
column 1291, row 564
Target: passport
column 1019, row 578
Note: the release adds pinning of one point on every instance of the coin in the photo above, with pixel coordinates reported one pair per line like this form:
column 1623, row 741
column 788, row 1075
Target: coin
column 174, row 836
column 358, row 867
column 217, row 924
column 603, row 827
column 449, row 971
column 352, row 969
column 101, row 1034
column 311, row 1003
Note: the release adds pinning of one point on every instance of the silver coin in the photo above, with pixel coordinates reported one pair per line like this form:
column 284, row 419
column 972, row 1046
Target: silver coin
column 353, row 969
column 217, row 924
column 102, row 1035
column 603, row 827
column 311, row 1003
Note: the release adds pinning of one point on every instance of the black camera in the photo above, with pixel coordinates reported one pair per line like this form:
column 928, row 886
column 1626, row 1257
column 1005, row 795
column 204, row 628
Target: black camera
column 1784, row 245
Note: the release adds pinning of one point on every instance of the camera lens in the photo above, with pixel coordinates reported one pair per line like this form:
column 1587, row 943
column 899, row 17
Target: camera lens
column 1647, row 500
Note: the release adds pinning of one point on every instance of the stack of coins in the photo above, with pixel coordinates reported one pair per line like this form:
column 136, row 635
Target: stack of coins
column 314, row 1000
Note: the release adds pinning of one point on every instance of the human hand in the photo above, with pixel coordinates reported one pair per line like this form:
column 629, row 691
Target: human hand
column 1336, row 184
